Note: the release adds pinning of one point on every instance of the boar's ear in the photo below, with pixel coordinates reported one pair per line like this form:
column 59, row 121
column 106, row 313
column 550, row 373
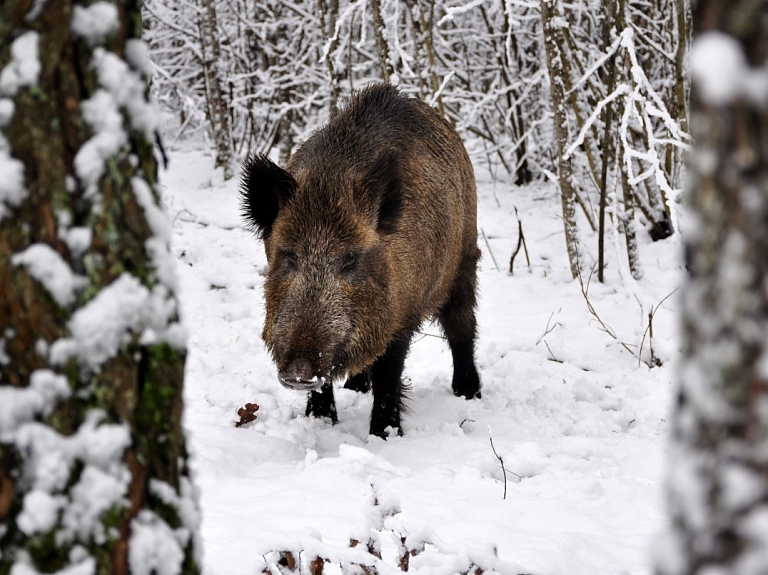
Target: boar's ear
column 264, row 188
column 382, row 186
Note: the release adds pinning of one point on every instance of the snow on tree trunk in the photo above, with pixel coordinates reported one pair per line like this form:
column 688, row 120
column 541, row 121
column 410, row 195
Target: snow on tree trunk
column 627, row 222
column 218, row 113
column 328, row 13
column 550, row 23
column 379, row 30
column 718, row 476
column 93, row 464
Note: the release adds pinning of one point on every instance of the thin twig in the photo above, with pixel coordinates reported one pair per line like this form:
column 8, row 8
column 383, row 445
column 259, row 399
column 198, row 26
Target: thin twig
column 649, row 330
column 585, row 292
column 553, row 358
column 525, row 245
column 424, row 334
column 548, row 329
column 503, row 469
column 490, row 251
column 520, row 242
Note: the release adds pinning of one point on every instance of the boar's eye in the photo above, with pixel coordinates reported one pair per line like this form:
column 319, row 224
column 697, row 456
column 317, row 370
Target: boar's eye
column 289, row 261
column 349, row 263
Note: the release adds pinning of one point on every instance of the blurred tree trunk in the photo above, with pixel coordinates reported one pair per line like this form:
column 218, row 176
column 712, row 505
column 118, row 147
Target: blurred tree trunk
column 718, row 480
column 218, row 110
column 93, row 464
column 557, row 93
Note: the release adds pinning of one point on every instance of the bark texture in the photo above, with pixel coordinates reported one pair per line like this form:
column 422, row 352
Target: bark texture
column 718, row 484
column 557, row 92
column 77, row 413
column 382, row 48
column 215, row 94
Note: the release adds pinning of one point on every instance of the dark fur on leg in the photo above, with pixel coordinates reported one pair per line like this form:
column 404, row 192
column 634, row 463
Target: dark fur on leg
column 388, row 388
column 360, row 382
column 458, row 321
column 321, row 403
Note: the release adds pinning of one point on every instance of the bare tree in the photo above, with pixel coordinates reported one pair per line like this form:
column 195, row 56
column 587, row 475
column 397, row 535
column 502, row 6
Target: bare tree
column 215, row 94
column 718, row 480
column 329, row 13
column 93, row 464
column 382, row 48
column 481, row 64
column 554, row 56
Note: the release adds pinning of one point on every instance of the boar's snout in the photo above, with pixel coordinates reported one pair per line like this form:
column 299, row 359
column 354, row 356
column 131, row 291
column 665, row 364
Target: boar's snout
column 300, row 376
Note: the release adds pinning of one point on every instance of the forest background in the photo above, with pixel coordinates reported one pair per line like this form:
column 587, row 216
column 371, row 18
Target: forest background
column 589, row 94
column 584, row 102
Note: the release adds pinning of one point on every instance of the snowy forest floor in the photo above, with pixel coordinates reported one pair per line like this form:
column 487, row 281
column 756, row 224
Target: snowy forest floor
column 580, row 423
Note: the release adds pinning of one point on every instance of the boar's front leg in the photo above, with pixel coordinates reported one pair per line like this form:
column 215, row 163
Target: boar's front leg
column 322, row 404
column 386, row 374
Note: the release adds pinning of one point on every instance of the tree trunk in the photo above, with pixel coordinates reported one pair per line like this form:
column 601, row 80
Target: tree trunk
column 218, row 114
column 718, row 482
column 328, row 13
column 93, row 464
column 627, row 222
column 565, row 170
column 382, row 48
column 606, row 148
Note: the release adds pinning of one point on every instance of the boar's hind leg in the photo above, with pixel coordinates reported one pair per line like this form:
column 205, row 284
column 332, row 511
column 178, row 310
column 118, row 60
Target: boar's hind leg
column 360, row 382
column 460, row 326
column 386, row 374
column 321, row 403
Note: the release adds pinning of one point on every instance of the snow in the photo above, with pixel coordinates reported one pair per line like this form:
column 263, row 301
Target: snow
column 12, row 191
column 101, row 113
column 158, row 244
column 742, row 487
column 95, row 493
column 755, row 529
column 6, row 111
column 187, row 505
column 78, row 239
column 121, row 87
column 37, row 7
column 24, row 67
column 50, row 454
column 18, row 405
column 720, row 71
column 83, row 566
column 94, row 22
column 127, row 86
column 49, row 268
column 39, row 512
column 119, row 311
column 49, row 457
column 137, row 55
column 718, row 67
column 580, row 423
column 153, row 548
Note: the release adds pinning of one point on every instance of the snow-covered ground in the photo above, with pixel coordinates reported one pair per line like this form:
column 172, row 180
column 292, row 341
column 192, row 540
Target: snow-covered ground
column 580, row 423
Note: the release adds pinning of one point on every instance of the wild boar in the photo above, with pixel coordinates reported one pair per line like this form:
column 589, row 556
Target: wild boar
column 369, row 231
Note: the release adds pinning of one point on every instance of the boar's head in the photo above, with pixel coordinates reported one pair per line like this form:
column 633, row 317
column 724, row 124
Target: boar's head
column 326, row 232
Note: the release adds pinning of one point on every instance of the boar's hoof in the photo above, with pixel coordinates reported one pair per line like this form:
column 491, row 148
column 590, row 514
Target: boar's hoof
column 300, row 376
column 468, row 388
column 469, row 395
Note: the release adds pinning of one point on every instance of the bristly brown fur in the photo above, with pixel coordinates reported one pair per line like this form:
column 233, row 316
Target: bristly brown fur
column 369, row 231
